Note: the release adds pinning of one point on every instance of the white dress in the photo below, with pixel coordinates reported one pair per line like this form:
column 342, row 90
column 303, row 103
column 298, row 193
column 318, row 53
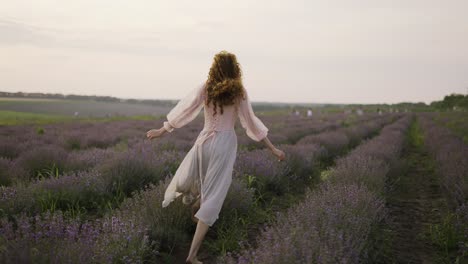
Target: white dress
column 206, row 170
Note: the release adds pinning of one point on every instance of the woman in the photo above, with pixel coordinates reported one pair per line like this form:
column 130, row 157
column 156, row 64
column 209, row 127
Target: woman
column 205, row 173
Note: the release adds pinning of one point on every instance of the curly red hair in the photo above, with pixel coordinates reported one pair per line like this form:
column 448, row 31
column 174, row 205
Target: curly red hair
column 224, row 84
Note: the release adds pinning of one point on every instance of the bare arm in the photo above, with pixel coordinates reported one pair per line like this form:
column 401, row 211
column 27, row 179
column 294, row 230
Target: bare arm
column 268, row 143
column 184, row 112
column 155, row 133
column 277, row 152
column 254, row 127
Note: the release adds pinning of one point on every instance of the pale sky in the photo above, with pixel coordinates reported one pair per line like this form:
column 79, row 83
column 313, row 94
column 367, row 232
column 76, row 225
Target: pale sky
column 319, row 51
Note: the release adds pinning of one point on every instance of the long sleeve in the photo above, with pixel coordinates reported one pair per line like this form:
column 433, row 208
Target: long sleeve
column 254, row 127
column 186, row 109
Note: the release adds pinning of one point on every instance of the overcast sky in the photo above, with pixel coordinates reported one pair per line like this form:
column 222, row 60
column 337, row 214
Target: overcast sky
column 360, row 51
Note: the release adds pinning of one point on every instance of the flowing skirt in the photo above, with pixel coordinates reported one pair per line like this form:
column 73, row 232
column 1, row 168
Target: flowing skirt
column 205, row 172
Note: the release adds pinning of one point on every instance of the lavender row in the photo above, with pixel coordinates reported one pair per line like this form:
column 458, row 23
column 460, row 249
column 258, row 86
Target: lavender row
column 275, row 183
column 304, row 159
column 332, row 223
column 81, row 135
column 103, row 186
column 140, row 212
column 291, row 129
column 15, row 140
column 133, row 233
column 113, row 175
column 27, row 155
column 451, row 156
column 120, row 173
column 369, row 163
column 54, row 238
column 456, row 121
column 92, row 179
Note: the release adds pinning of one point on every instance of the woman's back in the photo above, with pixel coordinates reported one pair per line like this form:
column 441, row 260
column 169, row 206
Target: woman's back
column 220, row 122
column 253, row 126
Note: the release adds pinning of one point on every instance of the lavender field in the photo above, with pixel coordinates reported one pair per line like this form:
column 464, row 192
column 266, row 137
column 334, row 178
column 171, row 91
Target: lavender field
column 79, row 108
column 80, row 192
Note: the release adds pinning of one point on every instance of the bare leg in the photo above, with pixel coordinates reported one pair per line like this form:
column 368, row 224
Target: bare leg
column 194, row 209
column 200, row 232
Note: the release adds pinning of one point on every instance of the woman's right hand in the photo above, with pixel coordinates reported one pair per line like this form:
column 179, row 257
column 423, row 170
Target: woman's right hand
column 279, row 154
column 155, row 133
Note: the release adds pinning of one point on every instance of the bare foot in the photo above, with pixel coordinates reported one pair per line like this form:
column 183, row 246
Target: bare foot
column 193, row 261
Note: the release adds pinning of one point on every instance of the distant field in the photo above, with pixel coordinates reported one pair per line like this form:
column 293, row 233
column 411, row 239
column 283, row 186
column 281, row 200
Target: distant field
column 84, row 108
column 16, row 118
column 9, row 118
column 28, row 99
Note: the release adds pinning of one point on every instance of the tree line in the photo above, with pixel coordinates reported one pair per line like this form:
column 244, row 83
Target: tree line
column 452, row 102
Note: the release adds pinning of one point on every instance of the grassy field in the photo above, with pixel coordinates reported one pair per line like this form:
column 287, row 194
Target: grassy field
column 17, row 118
column 9, row 118
column 18, row 111
column 83, row 108
column 25, row 99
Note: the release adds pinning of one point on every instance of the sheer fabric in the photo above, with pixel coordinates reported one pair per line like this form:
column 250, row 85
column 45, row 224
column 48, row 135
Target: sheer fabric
column 206, row 170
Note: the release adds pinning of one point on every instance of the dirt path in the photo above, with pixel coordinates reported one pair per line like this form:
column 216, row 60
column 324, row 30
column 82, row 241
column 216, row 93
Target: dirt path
column 415, row 204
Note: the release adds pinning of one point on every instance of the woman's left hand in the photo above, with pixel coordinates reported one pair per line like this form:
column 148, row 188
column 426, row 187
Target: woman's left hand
column 155, row 133
column 279, row 154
